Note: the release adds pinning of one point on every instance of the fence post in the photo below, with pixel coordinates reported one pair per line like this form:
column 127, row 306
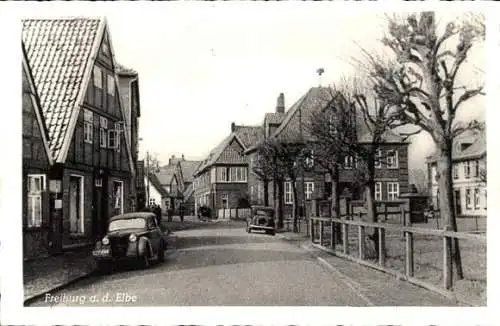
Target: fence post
column 447, row 263
column 346, row 239
column 332, row 235
column 381, row 246
column 361, row 241
column 409, row 254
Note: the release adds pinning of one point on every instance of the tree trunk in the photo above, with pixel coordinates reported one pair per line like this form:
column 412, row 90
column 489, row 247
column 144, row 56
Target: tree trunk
column 371, row 204
column 266, row 192
column 295, row 206
column 281, row 198
column 446, row 209
column 335, row 203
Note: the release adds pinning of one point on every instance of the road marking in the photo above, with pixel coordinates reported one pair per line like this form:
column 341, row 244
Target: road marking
column 353, row 285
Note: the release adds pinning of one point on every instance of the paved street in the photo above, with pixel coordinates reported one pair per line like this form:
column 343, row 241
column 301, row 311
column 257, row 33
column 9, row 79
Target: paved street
column 220, row 264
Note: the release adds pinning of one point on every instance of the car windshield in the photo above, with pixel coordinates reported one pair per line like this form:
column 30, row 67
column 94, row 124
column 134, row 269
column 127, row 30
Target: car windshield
column 262, row 212
column 130, row 223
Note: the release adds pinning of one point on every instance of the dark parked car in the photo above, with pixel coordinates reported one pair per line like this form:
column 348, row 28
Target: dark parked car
column 204, row 213
column 262, row 218
column 132, row 236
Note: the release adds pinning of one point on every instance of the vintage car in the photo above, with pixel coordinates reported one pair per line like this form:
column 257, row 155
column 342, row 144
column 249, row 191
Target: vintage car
column 133, row 237
column 261, row 218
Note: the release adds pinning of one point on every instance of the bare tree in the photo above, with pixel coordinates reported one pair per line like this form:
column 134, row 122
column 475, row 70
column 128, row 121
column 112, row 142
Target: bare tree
column 424, row 88
column 419, row 179
column 269, row 166
column 333, row 131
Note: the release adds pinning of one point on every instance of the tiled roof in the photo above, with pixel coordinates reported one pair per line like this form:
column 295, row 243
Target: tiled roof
column 122, row 70
column 166, row 174
column 475, row 150
column 301, row 112
column 250, row 135
column 188, row 168
column 188, row 192
column 58, row 52
column 274, row 118
column 157, row 184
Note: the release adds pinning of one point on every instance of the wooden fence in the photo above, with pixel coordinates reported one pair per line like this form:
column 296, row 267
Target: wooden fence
column 317, row 236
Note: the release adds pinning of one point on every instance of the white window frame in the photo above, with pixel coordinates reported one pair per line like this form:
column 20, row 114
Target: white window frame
column 392, row 160
column 378, row 159
column 288, row 192
column 477, row 198
column 33, row 220
column 97, row 77
column 82, row 201
column 378, row 191
column 88, row 126
column 224, row 197
column 222, row 174
column 468, row 198
column 467, row 169
column 121, row 195
column 113, row 139
column 111, row 85
column 259, row 192
column 309, row 190
column 392, row 190
column 103, row 134
column 349, row 162
column 455, row 171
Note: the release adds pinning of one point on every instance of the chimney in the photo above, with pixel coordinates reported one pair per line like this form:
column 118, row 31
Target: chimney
column 280, row 104
column 233, row 126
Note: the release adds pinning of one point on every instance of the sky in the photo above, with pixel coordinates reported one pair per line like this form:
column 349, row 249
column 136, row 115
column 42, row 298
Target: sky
column 203, row 66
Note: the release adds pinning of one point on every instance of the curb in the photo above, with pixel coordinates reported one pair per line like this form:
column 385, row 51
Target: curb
column 36, row 297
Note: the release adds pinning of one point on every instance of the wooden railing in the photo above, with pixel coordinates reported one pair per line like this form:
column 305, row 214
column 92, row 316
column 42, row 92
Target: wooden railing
column 317, row 236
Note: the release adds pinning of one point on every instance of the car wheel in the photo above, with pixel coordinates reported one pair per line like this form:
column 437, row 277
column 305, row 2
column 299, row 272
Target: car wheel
column 161, row 252
column 145, row 260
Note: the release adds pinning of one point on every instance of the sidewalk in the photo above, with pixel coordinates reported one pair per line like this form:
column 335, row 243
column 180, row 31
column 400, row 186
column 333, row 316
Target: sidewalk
column 47, row 274
column 377, row 288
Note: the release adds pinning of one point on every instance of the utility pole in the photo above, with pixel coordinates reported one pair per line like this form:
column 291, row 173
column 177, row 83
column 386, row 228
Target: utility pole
column 147, row 178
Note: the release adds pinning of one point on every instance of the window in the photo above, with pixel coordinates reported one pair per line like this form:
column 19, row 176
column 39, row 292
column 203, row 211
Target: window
column 222, row 174
column 378, row 190
column 477, row 198
column 118, row 196
column 152, row 201
column 467, row 169
column 310, row 159
column 225, row 201
column 113, row 140
column 103, row 133
column 259, row 192
column 111, row 85
column 288, row 193
column 237, row 174
column 36, row 185
column 392, row 190
column 309, row 190
column 88, row 126
column 468, row 198
column 97, row 77
column 349, row 162
column 378, row 159
column 455, row 171
column 392, row 159
column 476, row 170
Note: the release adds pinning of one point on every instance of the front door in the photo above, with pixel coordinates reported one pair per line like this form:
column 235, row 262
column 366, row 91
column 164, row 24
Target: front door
column 75, row 205
column 458, row 203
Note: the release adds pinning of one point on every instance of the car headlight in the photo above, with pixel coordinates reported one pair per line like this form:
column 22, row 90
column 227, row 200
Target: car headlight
column 105, row 241
column 132, row 238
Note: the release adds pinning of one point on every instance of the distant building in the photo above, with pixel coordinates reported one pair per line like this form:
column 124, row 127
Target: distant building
column 469, row 175
column 220, row 182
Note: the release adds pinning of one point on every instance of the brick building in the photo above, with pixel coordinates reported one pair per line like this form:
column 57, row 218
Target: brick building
column 220, row 182
column 74, row 73
column 313, row 182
